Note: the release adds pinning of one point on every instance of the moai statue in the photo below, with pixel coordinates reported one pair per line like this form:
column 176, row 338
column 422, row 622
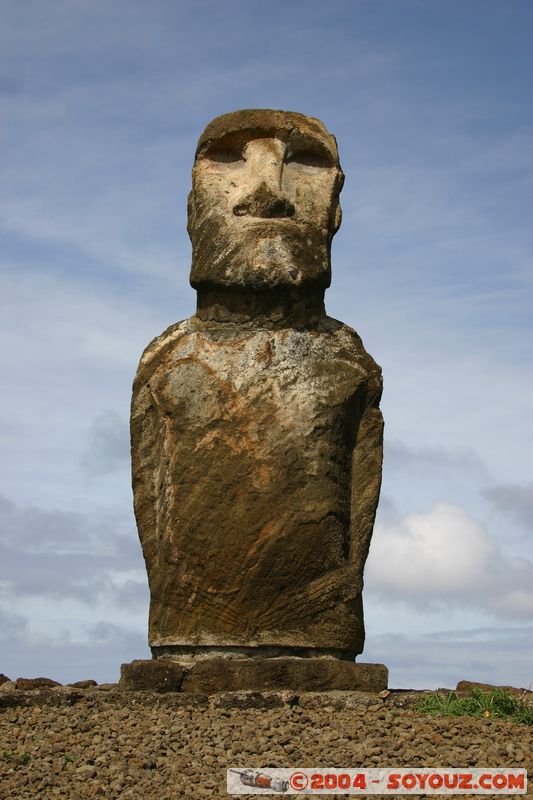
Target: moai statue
column 256, row 430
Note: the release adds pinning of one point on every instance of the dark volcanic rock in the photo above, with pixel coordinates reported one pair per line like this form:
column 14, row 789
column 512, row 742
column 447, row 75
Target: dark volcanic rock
column 467, row 686
column 254, row 699
column 156, row 675
column 297, row 674
column 83, row 684
column 35, row 683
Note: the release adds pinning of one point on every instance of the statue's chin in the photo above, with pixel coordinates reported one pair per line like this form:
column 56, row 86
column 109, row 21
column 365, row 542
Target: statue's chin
column 273, row 256
column 278, row 259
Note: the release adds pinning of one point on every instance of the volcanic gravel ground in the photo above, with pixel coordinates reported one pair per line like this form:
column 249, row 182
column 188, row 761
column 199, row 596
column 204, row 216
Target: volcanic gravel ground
column 145, row 746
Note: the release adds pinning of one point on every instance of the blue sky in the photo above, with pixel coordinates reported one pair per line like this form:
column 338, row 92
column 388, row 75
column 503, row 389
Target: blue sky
column 431, row 104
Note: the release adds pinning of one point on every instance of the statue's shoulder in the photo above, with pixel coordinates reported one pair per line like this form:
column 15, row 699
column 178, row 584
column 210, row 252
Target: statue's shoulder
column 348, row 342
column 159, row 346
column 345, row 336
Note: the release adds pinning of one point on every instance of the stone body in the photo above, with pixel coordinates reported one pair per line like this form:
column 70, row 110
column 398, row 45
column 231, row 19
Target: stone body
column 256, row 430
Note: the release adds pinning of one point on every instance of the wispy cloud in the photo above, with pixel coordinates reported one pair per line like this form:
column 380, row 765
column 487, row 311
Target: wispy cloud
column 59, row 553
column 513, row 499
column 433, row 660
column 97, row 653
column 108, row 446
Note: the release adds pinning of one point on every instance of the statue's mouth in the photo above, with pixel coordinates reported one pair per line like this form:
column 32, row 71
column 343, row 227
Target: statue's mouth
column 279, row 225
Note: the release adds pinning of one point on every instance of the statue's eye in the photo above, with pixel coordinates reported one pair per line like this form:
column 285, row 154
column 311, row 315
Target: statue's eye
column 226, row 156
column 308, row 158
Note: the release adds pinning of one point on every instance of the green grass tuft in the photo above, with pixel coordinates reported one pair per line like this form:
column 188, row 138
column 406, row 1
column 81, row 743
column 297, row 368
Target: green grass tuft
column 22, row 758
column 493, row 704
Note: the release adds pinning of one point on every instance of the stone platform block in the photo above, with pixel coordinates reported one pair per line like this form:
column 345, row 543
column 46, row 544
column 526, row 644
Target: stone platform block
column 213, row 675
column 156, row 675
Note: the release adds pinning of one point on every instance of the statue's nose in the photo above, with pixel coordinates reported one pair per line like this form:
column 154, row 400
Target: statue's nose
column 266, row 203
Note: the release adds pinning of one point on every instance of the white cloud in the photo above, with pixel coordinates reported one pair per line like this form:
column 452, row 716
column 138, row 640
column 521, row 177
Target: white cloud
column 444, row 557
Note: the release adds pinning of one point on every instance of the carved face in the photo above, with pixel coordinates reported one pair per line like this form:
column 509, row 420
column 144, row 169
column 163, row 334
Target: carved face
column 264, row 204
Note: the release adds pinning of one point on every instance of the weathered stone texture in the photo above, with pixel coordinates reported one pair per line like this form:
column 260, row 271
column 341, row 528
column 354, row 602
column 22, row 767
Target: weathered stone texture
column 297, row 674
column 256, row 430
column 159, row 675
column 85, row 684
column 251, row 448
column 35, row 683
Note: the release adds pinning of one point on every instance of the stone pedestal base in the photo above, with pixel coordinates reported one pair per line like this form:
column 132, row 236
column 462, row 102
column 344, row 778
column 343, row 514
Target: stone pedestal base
column 216, row 674
column 187, row 655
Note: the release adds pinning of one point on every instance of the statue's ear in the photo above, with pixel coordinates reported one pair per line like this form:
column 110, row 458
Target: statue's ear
column 191, row 214
column 337, row 217
column 337, row 212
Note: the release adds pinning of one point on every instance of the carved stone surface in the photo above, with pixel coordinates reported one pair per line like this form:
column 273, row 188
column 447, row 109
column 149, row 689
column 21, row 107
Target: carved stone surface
column 256, row 431
column 215, row 674
column 298, row 674
column 158, row 675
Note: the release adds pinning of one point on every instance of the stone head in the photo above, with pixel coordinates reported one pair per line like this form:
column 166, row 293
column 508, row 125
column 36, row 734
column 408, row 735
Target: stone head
column 264, row 204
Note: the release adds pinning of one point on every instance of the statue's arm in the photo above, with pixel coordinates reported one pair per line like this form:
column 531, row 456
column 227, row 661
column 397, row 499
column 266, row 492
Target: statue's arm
column 148, row 452
column 366, row 470
column 145, row 431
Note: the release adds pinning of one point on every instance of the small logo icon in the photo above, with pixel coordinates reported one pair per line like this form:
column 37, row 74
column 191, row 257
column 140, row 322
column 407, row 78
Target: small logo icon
column 261, row 780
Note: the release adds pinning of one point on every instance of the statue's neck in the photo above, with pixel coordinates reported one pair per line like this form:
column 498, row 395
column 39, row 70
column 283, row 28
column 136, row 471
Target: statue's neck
column 299, row 307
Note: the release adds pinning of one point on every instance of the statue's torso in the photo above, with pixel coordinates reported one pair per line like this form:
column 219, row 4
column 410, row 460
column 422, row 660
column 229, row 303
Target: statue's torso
column 244, row 440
